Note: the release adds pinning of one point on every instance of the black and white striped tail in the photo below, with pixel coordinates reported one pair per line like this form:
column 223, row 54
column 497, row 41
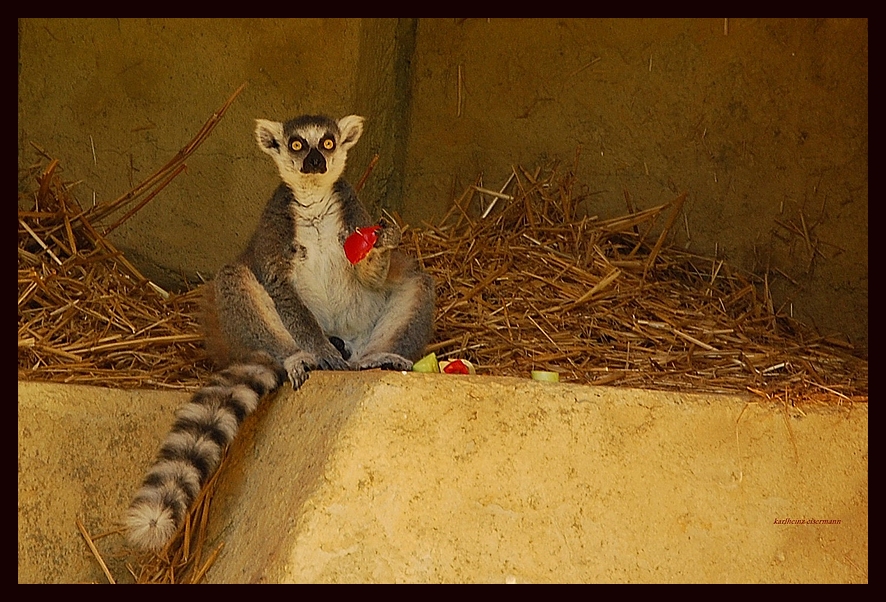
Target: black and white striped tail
column 192, row 450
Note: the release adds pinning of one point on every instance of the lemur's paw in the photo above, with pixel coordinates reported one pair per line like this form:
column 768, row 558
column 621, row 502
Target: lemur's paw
column 389, row 235
column 330, row 357
column 385, row 361
column 333, row 362
column 297, row 367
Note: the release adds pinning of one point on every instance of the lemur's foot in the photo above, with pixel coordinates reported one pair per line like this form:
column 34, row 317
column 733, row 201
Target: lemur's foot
column 385, row 361
column 298, row 365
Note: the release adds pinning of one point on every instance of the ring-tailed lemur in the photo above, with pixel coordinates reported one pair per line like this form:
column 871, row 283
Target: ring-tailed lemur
column 290, row 303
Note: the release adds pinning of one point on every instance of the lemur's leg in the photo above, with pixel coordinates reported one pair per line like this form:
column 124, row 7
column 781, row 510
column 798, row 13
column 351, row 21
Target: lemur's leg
column 404, row 329
column 248, row 320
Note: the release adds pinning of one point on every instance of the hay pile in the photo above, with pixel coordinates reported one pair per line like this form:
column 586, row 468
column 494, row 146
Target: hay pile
column 526, row 284
column 85, row 314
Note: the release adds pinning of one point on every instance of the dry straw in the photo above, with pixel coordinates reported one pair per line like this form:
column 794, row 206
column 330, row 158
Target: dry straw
column 532, row 285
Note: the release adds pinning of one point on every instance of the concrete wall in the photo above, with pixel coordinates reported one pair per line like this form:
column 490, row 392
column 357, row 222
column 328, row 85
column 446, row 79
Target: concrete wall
column 387, row 477
column 758, row 125
column 760, row 120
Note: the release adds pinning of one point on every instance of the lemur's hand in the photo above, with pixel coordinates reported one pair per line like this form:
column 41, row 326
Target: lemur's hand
column 388, row 235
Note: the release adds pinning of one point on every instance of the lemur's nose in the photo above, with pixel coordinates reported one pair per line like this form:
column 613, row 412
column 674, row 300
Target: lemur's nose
column 314, row 162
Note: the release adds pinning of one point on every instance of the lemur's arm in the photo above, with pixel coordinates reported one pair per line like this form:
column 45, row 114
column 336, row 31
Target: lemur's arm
column 372, row 270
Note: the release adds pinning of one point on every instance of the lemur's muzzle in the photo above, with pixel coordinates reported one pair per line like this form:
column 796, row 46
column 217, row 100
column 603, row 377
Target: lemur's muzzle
column 314, row 162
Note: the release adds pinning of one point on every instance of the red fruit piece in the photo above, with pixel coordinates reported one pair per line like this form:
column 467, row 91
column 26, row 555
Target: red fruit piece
column 456, row 367
column 358, row 244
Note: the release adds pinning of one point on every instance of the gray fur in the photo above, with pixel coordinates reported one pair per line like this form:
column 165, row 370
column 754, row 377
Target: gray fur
column 271, row 313
column 292, row 288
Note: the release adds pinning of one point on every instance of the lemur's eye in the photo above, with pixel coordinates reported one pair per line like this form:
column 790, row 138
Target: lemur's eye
column 328, row 144
column 296, row 144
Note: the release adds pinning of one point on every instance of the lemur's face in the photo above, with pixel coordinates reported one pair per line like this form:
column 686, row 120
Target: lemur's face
column 310, row 151
column 310, row 148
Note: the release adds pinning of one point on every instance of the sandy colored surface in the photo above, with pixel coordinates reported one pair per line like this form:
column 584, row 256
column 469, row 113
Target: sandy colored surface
column 383, row 477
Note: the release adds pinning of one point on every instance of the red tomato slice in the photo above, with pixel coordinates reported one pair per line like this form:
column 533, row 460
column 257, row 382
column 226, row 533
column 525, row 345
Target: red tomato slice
column 358, row 244
column 456, row 367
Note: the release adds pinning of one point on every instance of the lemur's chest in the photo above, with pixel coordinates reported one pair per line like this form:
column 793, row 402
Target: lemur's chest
column 326, row 282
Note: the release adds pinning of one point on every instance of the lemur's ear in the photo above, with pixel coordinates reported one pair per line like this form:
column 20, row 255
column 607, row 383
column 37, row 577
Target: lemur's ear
column 351, row 127
column 269, row 135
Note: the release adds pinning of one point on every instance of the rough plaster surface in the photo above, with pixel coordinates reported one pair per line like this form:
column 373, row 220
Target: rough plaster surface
column 82, row 452
column 768, row 123
column 383, row 477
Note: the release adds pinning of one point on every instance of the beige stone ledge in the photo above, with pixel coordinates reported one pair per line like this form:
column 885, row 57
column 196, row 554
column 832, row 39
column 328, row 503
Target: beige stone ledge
column 385, row 477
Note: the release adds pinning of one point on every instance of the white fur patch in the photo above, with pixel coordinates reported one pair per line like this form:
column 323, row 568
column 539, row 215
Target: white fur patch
column 150, row 521
column 327, row 284
column 400, row 308
column 149, row 525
